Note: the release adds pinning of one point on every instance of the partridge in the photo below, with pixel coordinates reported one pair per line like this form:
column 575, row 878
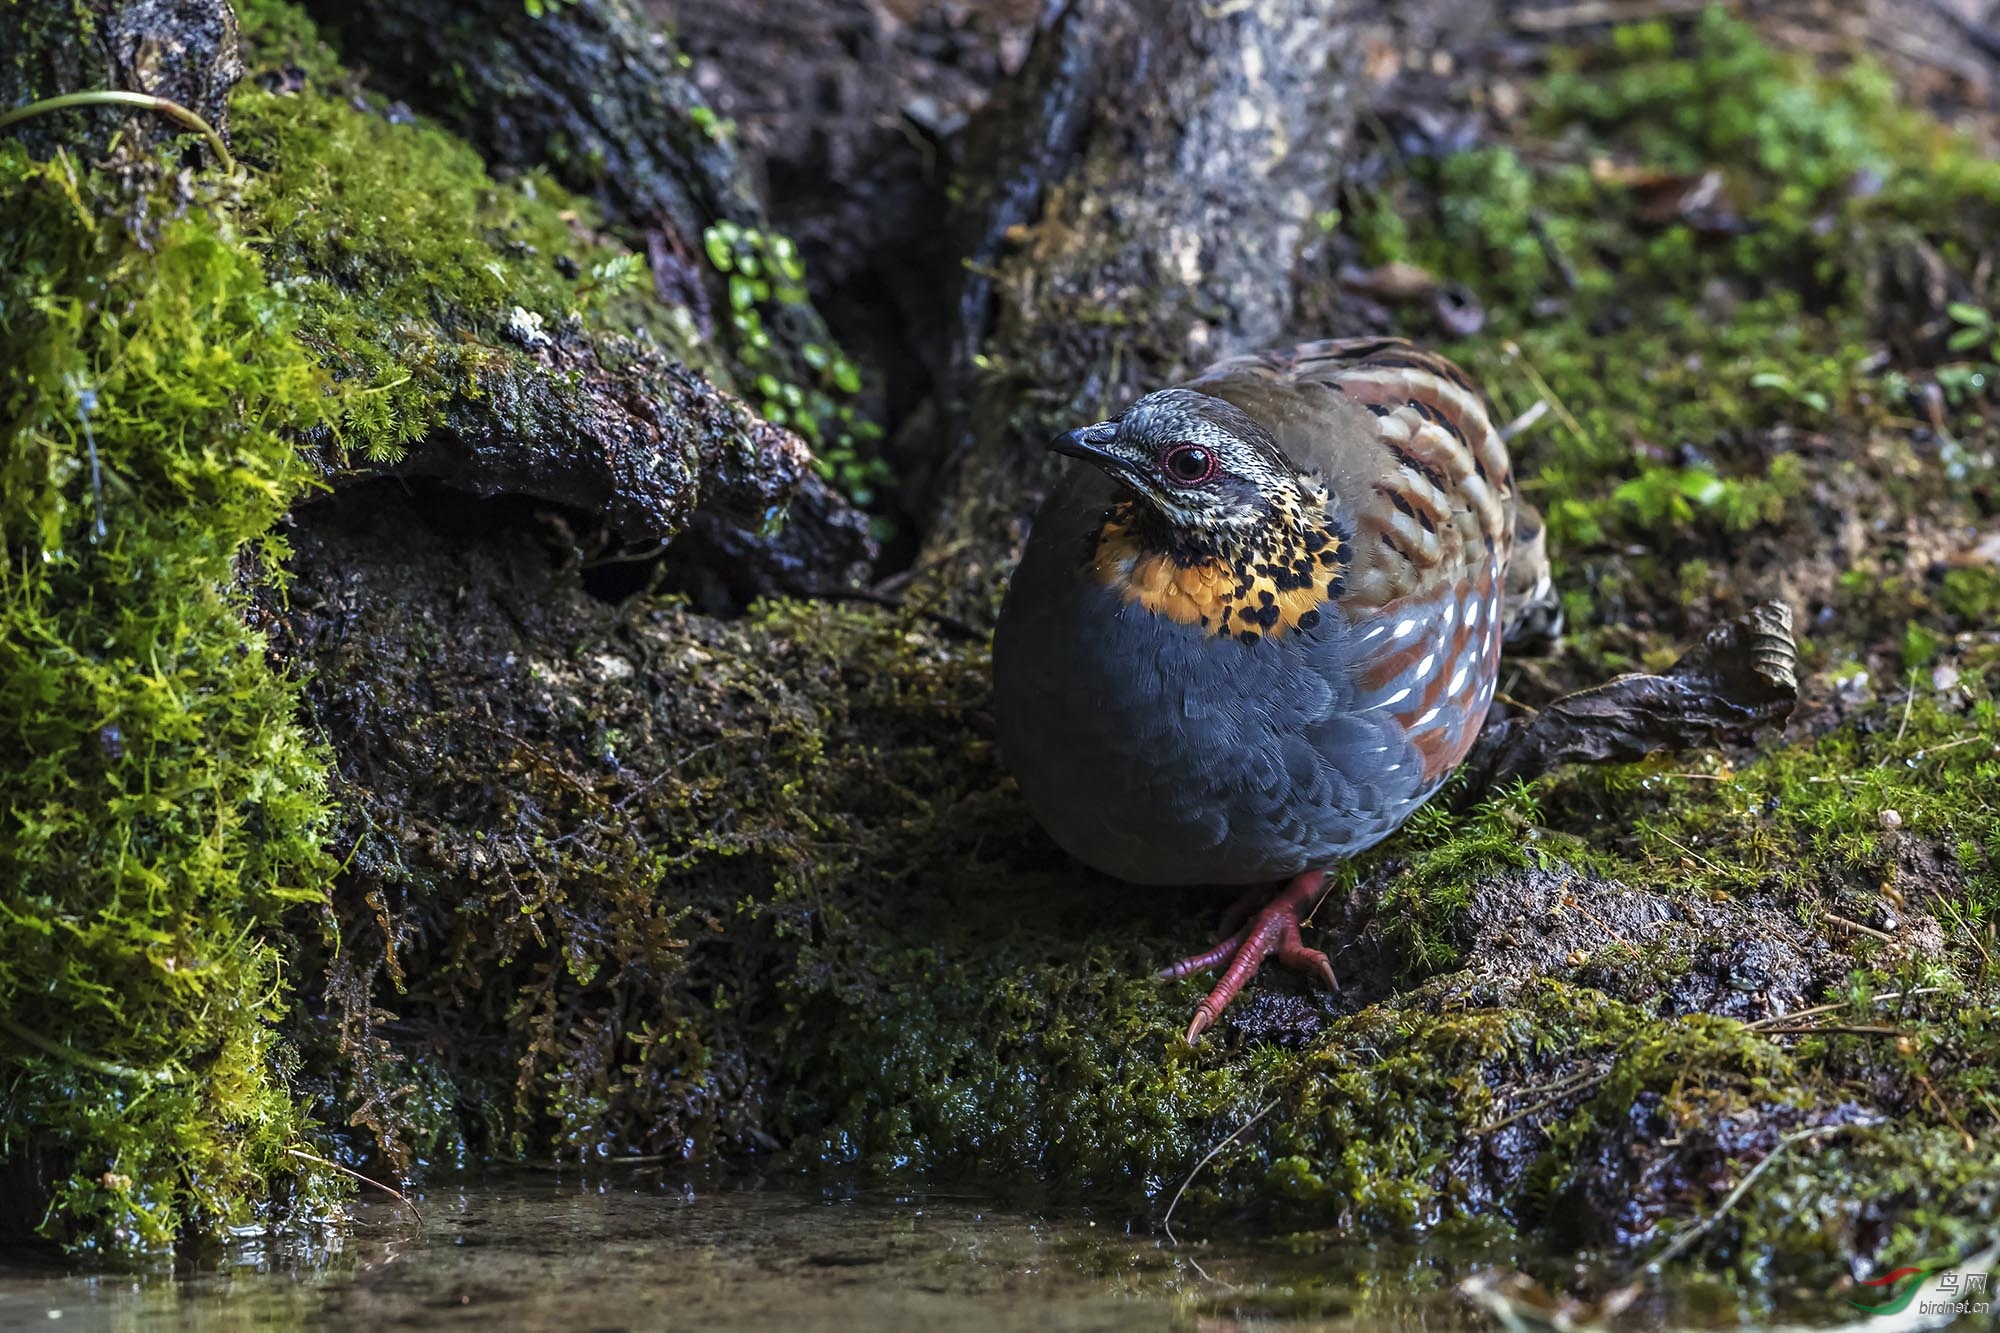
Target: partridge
column 1263, row 626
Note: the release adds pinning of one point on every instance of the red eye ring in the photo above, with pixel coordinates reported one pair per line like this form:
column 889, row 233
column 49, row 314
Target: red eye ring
column 1188, row 464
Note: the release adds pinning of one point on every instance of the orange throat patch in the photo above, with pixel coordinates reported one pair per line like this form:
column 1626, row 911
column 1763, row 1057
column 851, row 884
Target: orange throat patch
column 1280, row 577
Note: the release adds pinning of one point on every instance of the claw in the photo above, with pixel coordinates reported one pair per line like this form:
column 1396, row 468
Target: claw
column 1275, row 930
column 1200, row 962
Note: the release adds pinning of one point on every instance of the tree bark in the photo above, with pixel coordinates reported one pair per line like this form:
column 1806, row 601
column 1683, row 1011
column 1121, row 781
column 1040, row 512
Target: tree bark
column 181, row 50
column 1144, row 200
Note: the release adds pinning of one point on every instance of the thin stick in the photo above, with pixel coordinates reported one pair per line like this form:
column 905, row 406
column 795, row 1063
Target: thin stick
column 1569, row 900
column 81, row 1060
column 1592, row 12
column 116, row 97
column 1557, row 1087
column 1513, row 351
column 1689, row 851
column 1964, row 926
column 1682, row 1242
column 1525, row 420
column 950, row 624
column 1799, row 1014
column 1928, row 751
column 1908, row 703
column 1971, row 1144
column 1856, row 925
column 1854, row 1029
column 401, row 1197
column 1167, row 1222
column 1583, row 1085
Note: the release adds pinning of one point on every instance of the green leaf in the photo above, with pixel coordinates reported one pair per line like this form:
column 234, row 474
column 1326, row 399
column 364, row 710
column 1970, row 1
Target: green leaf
column 721, row 252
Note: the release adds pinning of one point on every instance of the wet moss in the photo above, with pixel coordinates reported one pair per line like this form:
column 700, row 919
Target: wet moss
column 1731, row 374
column 163, row 809
column 409, row 317
column 170, row 344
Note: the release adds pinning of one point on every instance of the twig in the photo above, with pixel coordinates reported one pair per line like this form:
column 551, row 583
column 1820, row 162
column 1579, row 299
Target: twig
column 401, row 1197
column 1966, row 928
column 1928, row 751
column 1971, row 1144
column 115, row 97
column 1550, row 1094
column 1855, row 1029
column 1686, row 1239
column 1837, row 919
column 1167, row 1222
column 1689, row 851
column 949, row 623
column 625, row 557
column 1589, row 13
column 1525, row 420
column 1799, row 1014
column 1514, row 353
column 1570, row 900
column 663, row 775
column 1909, row 702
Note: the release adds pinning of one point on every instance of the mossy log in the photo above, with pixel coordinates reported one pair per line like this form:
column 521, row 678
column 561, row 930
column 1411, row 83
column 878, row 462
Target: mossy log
column 590, row 92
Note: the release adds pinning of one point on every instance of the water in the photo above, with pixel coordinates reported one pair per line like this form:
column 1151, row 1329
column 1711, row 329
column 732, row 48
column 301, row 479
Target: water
column 632, row 1252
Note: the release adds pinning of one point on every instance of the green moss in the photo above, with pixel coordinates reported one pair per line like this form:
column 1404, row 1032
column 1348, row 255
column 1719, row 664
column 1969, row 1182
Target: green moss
column 163, row 811
column 1663, row 327
column 1722, row 406
column 1450, row 852
column 277, row 36
column 1971, row 596
column 409, row 316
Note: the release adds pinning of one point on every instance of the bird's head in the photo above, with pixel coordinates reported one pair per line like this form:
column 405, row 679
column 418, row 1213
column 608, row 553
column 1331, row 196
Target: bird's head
column 1221, row 531
column 1204, row 471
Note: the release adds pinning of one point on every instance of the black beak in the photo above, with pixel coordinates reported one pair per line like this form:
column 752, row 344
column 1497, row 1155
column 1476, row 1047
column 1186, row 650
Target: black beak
column 1076, row 445
column 1088, row 443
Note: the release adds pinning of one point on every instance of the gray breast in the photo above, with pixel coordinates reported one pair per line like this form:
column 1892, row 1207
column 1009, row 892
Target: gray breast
column 1161, row 755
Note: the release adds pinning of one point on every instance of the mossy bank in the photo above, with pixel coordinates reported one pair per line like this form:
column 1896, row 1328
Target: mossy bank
column 618, row 877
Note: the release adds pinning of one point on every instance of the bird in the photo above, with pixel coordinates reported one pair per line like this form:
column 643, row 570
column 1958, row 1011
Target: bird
column 1259, row 626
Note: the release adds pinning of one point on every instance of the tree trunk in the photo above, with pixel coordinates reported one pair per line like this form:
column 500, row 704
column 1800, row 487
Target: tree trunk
column 1146, row 198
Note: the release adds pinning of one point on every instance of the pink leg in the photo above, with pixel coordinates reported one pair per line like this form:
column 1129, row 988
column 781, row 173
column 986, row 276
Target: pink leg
column 1275, row 930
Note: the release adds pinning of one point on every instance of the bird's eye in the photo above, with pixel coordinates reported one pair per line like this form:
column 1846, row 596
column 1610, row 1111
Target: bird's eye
column 1188, row 464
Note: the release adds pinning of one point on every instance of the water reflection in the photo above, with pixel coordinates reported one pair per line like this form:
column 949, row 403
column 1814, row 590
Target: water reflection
column 543, row 1252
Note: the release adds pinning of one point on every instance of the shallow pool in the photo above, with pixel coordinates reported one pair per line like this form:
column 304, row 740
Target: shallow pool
column 632, row 1251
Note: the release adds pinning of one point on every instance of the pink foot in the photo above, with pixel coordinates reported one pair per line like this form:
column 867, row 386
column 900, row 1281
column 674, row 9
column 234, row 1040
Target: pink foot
column 1275, row 930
